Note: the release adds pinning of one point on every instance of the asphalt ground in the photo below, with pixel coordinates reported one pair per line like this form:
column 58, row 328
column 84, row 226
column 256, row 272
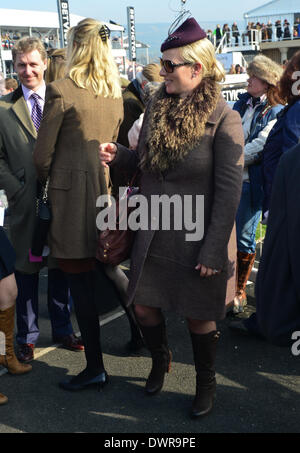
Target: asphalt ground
column 258, row 386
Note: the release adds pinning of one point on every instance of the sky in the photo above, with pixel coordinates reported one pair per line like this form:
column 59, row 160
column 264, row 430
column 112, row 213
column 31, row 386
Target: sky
column 147, row 11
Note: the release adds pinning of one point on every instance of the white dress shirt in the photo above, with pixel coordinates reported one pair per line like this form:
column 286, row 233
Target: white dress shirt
column 41, row 92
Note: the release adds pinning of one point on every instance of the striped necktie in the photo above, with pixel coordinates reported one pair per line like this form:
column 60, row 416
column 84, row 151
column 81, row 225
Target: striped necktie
column 36, row 114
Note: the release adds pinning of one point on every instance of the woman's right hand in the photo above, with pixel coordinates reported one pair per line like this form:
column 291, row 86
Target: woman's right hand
column 107, row 153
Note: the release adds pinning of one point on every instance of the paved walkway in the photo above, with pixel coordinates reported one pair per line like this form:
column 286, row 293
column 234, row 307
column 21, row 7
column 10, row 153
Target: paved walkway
column 258, row 388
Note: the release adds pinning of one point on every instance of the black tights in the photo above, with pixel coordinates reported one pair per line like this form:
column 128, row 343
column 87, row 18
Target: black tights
column 83, row 291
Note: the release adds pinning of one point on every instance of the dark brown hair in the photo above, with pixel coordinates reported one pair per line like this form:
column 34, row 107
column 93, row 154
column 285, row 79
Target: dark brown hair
column 286, row 82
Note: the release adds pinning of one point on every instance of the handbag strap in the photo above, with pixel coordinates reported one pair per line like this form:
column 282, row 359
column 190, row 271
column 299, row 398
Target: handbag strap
column 45, row 190
column 134, row 178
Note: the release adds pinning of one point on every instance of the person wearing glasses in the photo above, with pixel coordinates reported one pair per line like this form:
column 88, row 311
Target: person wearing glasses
column 191, row 142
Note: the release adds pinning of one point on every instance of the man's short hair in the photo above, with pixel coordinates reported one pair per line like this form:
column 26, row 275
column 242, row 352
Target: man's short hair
column 29, row 44
column 11, row 84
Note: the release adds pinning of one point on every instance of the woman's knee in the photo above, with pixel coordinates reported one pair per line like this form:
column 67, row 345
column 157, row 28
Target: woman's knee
column 8, row 292
column 146, row 314
column 201, row 327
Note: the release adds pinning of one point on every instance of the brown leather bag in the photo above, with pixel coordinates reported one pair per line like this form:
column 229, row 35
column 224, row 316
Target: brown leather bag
column 114, row 246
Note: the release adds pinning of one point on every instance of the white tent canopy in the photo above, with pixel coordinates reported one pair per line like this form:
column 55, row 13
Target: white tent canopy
column 39, row 19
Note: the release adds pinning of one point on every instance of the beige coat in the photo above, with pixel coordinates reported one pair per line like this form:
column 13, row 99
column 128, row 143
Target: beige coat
column 75, row 122
column 163, row 263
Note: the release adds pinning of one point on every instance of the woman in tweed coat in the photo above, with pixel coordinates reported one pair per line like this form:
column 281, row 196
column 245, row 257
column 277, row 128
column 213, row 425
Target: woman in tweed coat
column 191, row 143
column 81, row 111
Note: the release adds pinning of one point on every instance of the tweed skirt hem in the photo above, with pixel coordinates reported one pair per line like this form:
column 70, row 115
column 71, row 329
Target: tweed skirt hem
column 172, row 287
column 74, row 266
column 7, row 256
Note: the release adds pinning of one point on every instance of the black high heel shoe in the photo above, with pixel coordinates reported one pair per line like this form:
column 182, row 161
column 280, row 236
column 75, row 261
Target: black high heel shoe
column 81, row 383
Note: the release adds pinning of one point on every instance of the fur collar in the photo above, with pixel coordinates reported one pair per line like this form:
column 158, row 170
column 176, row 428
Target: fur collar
column 176, row 125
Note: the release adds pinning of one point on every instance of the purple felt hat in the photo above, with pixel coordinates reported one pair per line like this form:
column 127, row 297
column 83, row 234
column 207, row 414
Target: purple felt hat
column 188, row 32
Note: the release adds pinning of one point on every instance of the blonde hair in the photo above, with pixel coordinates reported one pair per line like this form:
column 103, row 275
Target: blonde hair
column 90, row 63
column 56, row 68
column 29, row 44
column 203, row 52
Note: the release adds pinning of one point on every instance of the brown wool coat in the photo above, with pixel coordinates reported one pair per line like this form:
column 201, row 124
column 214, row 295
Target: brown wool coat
column 75, row 122
column 162, row 262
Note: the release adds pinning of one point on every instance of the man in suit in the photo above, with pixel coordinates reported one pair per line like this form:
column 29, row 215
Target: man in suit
column 20, row 117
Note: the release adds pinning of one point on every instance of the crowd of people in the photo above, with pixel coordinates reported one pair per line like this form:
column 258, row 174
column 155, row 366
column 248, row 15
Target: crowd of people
column 75, row 135
column 267, row 32
column 9, row 40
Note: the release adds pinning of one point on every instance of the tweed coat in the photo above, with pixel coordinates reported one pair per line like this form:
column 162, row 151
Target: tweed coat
column 74, row 124
column 162, row 271
column 18, row 176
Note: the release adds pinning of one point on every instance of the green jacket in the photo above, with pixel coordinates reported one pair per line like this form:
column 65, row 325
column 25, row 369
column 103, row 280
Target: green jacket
column 133, row 108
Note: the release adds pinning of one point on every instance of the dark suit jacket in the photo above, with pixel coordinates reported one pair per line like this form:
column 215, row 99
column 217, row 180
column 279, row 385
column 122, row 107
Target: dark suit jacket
column 17, row 174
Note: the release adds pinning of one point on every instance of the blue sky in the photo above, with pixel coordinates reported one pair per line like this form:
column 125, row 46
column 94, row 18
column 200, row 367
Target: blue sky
column 147, row 11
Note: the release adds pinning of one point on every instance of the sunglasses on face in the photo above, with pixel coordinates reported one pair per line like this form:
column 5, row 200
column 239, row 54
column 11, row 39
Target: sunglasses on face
column 169, row 66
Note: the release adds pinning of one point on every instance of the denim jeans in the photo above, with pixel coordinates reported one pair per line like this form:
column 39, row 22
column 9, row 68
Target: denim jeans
column 247, row 219
column 27, row 305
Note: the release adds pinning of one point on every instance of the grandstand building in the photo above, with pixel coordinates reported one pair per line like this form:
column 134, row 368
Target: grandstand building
column 14, row 24
column 285, row 13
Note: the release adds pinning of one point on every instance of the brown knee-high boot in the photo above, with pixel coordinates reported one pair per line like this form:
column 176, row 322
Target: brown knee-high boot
column 3, row 399
column 9, row 360
column 204, row 349
column 245, row 263
column 156, row 340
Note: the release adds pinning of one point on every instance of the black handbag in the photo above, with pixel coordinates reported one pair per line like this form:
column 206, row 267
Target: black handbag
column 42, row 222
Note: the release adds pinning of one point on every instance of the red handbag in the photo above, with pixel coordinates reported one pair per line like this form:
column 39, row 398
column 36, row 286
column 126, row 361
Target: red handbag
column 114, row 246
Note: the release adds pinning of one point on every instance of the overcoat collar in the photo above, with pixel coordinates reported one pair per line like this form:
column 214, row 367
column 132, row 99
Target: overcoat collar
column 176, row 125
column 218, row 112
column 20, row 109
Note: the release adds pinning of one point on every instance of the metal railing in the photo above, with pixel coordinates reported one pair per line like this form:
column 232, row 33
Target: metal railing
column 252, row 37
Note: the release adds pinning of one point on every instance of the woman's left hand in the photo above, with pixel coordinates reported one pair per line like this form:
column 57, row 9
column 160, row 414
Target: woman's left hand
column 206, row 271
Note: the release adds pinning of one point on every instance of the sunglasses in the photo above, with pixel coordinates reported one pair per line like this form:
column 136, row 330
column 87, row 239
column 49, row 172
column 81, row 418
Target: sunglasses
column 169, row 66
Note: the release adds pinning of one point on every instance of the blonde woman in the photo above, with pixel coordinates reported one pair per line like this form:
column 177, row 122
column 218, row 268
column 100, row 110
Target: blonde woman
column 191, row 143
column 81, row 111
